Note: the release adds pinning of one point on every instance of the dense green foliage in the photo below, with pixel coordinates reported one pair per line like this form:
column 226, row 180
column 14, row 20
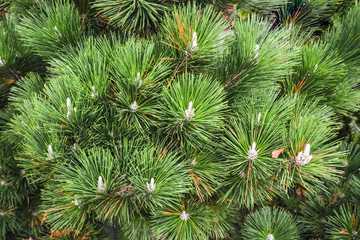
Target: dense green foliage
column 179, row 119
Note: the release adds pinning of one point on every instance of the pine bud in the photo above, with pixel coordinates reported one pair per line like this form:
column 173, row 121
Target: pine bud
column 101, row 184
column 22, row 173
column 151, row 187
column 323, row 220
column 34, row 213
column 256, row 51
column 2, row 182
column 316, row 67
column 68, row 104
column 134, row 106
column 1, row 62
column 345, row 163
column 94, row 93
column 74, row 147
column 57, row 34
column 252, row 153
column 184, row 216
column 138, row 80
column 259, row 117
column 194, row 45
column 307, row 150
column 190, row 112
column 193, row 162
column 354, row 234
column 76, row 202
column 2, row 212
column 50, row 152
column 304, row 158
column 270, row 237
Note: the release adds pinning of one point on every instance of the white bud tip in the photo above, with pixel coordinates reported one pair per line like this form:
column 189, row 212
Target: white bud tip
column 151, row 187
column 101, row 184
column 74, row 147
column 307, row 150
column 190, row 112
column 184, row 216
column 252, row 153
column 194, row 45
column 316, row 67
column 194, row 39
column 304, row 158
column 68, row 102
column 134, row 106
column 270, row 237
column 190, row 105
column 50, row 152
column 193, row 162
column 76, row 202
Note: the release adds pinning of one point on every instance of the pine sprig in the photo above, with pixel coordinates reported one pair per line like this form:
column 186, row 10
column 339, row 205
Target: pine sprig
column 270, row 223
column 141, row 17
column 345, row 223
column 191, row 109
column 117, row 185
column 138, row 74
column 309, row 131
column 186, row 220
column 194, row 38
column 51, row 27
column 324, row 75
column 258, row 56
column 16, row 60
column 249, row 141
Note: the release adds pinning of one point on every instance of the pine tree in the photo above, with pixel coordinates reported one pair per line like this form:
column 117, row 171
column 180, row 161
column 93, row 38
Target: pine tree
column 179, row 119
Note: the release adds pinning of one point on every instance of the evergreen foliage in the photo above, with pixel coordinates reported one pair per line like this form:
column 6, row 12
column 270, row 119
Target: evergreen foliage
column 257, row 56
column 16, row 59
column 179, row 119
column 51, row 27
column 268, row 223
column 346, row 220
column 139, row 16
